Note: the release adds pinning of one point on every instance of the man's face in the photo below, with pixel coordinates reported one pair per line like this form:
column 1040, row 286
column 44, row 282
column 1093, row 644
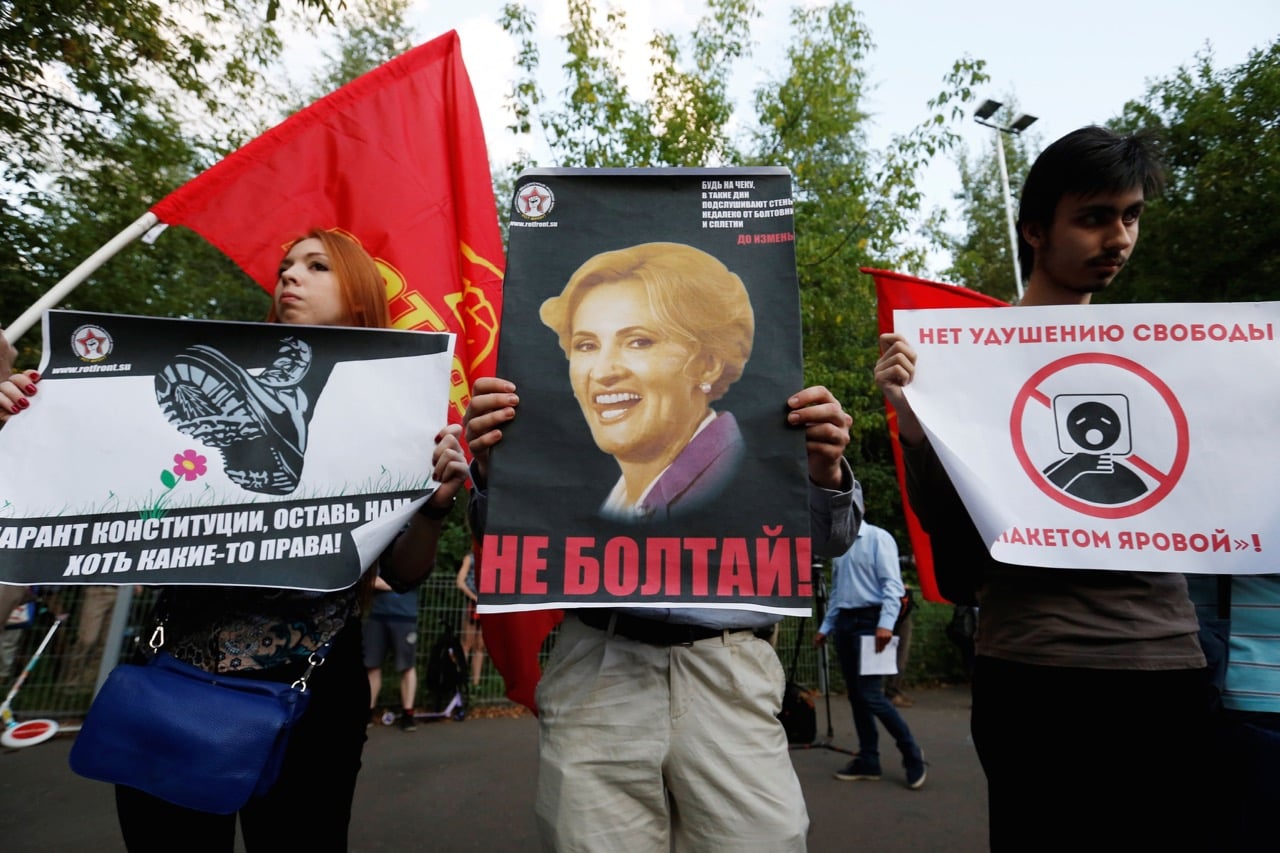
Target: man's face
column 1087, row 243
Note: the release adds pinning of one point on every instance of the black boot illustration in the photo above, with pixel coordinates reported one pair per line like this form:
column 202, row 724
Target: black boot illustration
column 258, row 422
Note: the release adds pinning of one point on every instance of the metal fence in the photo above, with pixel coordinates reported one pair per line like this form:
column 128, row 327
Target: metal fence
column 89, row 641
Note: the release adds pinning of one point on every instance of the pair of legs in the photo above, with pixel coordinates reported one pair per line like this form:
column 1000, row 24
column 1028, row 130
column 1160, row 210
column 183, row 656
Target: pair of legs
column 866, row 692
column 1088, row 759
column 309, row 808
column 1249, row 743
column 648, row 749
column 92, row 620
column 381, row 636
column 473, row 642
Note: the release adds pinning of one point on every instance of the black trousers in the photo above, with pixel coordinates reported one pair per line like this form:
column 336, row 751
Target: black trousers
column 309, row 808
column 1092, row 759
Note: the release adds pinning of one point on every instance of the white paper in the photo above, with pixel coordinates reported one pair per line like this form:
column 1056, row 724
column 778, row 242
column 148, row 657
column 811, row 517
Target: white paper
column 882, row 663
column 1130, row 437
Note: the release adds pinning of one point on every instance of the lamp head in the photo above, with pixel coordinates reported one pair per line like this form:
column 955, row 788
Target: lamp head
column 987, row 109
column 1022, row 122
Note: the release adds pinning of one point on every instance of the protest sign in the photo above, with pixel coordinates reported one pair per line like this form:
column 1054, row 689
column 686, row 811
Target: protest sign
column 240, row 454
column 651, row 326
column 1133, row 437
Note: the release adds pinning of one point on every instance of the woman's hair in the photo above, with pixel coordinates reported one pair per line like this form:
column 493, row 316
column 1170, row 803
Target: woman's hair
column 362, row 285
column 694, row 296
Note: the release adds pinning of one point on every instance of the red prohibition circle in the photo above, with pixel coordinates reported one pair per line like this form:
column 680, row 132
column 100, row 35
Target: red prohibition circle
column 1156, row 495
column 29, row 733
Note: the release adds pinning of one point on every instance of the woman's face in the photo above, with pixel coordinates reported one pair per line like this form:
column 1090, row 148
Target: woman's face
column 307, row 291
column 629, row 375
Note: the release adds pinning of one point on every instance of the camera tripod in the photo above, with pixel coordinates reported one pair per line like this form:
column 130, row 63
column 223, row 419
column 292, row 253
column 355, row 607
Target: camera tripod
column 824, row 661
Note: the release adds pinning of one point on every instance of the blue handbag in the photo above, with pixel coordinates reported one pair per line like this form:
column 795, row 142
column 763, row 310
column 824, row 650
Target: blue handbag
column 201, row 740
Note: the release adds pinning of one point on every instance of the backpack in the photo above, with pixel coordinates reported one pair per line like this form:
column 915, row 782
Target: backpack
column 908, row 606
column 799, row 717
column 446, row 665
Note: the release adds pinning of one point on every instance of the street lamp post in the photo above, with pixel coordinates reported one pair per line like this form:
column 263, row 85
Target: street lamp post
column 983, row 117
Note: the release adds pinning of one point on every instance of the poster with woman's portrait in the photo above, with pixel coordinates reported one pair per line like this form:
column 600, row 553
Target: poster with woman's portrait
column 652, row 328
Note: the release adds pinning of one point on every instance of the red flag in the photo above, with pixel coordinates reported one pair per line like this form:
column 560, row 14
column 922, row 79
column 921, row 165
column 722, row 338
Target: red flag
column 894, row 291
column 397, row 159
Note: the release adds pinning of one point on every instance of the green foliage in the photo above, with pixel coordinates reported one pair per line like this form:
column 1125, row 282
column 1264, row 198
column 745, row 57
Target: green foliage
column 600, row 122
column 375, row 32
column 1210, row 238
column 182, row 276
column 109, row 172
column 855, row 206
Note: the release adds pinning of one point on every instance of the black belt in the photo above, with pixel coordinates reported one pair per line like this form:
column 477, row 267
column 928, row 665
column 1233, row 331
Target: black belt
column 651, row 631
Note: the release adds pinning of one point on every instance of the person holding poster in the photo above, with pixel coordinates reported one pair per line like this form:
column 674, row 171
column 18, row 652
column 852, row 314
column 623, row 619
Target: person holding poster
column 1088, row 685
column 13, row 399
column 662, row 329
column 325, row 279
column 658, row 727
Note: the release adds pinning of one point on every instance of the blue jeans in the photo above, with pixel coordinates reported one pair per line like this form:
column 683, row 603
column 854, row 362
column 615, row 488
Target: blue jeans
column 866, row 692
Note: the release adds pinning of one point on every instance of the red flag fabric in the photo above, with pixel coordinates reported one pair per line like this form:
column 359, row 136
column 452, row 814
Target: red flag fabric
column 894, row 291
column 397, row 159
column 514, row 642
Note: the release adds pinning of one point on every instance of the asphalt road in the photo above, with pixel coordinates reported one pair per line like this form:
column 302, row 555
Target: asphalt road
column 460, row 786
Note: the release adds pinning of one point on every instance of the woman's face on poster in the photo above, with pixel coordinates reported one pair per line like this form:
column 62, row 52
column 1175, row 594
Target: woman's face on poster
column 629, row 375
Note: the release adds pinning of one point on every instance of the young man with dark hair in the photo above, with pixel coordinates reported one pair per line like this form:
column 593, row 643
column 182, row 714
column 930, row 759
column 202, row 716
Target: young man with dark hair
column 1088, row 686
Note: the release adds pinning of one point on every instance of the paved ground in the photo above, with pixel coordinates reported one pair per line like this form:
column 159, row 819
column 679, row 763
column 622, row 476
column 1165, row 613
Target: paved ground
column 469, row 786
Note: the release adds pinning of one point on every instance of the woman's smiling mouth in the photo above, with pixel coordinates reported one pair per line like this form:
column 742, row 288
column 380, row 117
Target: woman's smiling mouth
column 614, row 405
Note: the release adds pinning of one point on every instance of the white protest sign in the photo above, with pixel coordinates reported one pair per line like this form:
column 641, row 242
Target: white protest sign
column 163, row 451
column 1138, row 437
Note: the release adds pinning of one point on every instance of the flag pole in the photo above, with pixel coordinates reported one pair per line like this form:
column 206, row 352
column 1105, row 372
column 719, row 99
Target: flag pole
column 59, row 291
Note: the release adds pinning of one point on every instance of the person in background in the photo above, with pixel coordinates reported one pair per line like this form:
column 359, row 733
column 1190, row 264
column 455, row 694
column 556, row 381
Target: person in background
column 472, row 635
column 866, row 598
column 1246, row 728
column 93, row 618
column 392, row 626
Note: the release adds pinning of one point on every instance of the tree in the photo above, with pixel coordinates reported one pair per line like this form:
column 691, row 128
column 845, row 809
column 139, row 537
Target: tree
column 1210, row 237
column 981, row 258
column 135, row 160
column 374, row 32
column 854, row 205
column 600, row 123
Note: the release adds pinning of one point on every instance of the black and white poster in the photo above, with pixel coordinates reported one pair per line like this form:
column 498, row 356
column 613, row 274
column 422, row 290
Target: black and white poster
column 197, row 452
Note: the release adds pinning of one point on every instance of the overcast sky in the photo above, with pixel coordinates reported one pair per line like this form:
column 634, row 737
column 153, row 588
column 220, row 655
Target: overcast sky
column 1071, row 64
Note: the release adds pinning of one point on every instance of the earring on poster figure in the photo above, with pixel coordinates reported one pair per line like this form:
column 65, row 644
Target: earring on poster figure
column 705, row 387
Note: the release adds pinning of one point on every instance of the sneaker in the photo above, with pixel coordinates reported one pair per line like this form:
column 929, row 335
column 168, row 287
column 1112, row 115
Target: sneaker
column 407, row 722
column 858, row 770
column 916, row 773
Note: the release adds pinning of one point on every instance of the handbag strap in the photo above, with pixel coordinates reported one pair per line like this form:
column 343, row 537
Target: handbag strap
column 315, row 659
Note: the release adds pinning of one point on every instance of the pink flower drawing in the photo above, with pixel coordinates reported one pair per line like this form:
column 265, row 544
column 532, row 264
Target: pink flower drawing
column 189, row 464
